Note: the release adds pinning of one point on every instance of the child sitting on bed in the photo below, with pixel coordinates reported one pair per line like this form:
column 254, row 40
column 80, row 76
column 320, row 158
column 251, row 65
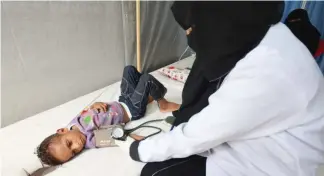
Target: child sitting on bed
column 137, row 90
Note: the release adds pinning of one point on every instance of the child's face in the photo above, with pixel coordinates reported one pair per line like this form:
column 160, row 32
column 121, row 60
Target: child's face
column 68, row 144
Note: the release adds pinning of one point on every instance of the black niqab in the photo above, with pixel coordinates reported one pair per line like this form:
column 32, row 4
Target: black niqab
column 299, row 24
column 222, row 34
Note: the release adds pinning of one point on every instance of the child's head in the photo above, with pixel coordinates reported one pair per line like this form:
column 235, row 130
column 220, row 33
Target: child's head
column 60, row 147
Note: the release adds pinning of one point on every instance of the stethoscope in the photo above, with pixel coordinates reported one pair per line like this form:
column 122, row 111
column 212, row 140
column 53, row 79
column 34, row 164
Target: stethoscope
column 120, row 133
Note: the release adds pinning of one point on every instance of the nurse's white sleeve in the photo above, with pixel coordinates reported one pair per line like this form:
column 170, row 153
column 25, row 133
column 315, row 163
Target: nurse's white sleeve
column 244, row 103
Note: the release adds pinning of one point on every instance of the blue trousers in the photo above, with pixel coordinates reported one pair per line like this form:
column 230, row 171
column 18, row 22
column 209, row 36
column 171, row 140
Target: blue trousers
column 136, row 89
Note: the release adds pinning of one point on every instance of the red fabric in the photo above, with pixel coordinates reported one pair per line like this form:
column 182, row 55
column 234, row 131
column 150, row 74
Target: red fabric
column 320, row 49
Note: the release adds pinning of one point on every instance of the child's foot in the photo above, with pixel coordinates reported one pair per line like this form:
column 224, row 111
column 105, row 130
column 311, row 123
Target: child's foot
column 166, row 106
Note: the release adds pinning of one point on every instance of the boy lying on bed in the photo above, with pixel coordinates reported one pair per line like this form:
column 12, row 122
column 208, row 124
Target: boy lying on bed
column 137, row 90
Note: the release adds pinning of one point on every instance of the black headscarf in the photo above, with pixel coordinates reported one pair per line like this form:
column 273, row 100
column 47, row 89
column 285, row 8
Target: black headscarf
column 299, row 24
column 222, row 34
column 224, row 31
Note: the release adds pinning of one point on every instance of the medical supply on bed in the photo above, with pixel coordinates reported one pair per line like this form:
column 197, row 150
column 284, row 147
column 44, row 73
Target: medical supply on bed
column 178, row 74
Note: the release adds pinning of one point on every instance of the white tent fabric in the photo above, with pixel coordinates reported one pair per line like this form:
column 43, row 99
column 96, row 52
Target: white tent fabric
column 51, row 48
column 19, row 140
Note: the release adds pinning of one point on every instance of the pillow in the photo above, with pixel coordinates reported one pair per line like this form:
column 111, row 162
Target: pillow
column 174, row 73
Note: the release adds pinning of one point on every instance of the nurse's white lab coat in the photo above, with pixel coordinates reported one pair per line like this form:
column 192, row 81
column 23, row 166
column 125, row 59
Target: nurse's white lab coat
column 267, row 117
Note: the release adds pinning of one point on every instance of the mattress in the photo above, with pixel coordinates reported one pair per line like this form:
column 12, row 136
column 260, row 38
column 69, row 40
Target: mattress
column 19, row 140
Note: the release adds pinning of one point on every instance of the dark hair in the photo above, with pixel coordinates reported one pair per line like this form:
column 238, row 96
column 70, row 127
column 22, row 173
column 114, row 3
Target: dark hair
column 45, row 157
column 44, row 154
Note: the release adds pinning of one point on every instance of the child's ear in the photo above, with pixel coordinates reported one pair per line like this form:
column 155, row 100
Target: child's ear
column 62, row 130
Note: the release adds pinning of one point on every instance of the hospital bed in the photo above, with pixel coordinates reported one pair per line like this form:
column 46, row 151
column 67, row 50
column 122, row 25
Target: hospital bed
column 19, row 140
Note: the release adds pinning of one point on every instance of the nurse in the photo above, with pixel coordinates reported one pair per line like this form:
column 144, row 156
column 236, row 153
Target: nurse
column 267, row 115
column 221, row 34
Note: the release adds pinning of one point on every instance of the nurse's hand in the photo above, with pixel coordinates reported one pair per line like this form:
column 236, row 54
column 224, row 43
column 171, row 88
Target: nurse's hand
column 136, row 137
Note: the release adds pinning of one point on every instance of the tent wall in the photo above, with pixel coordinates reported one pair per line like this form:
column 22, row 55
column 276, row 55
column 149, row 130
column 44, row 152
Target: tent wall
column 316, row 12
column 53, row 52
column 162, row 40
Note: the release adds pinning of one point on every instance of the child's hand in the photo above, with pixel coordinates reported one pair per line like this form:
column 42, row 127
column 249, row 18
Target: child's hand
column 136, row 137
column 99, row 107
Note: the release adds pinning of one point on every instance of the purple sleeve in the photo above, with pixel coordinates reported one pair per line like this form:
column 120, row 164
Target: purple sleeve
column 91, row 143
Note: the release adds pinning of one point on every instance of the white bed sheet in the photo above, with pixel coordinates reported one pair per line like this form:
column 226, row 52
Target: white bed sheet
column 19, row 140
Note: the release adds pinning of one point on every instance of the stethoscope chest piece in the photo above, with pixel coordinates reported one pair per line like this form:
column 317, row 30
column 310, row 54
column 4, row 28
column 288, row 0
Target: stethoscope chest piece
column 119, row 133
